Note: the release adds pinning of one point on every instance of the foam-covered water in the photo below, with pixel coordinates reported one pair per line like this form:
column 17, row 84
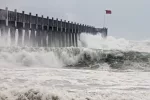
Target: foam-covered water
column 100, row 69
column 97, row 42
column 74, row 58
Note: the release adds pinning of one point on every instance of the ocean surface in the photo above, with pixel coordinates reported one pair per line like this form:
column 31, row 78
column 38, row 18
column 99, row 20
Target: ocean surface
column 99, row 69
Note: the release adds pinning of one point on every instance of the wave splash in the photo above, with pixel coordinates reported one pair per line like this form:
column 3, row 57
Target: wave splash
column 73, row 57
column 112, row 43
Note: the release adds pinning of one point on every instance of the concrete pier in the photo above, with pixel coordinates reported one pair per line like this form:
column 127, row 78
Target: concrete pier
column 34, row 30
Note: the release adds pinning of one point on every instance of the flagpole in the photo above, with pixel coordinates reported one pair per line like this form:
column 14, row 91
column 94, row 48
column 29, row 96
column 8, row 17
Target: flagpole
column 104, row 19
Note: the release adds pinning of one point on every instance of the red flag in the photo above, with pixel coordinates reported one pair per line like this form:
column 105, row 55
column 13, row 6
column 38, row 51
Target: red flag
column 108, row 11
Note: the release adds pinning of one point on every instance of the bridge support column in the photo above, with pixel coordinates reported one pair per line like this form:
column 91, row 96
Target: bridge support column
column 70, row 39
column 53, row 39
column 61, row 43
column 63, row 39
column 38, row 38
column 12, row 35
column 26, row 37
column 73, row 40
column 20, row 34
column 57, row 39
column 44, row 38
column 49, row 39
column 4, row 32
column 76, row 40
column 33, row 38
column 67, row 39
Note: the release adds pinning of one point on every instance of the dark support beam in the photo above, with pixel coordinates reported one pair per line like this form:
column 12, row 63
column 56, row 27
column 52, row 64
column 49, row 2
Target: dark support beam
column 38, row 32
column 38, row 37
column 58, row 38
column 20, row 26
column 53, row 34
column 76, row 32
column 73, row 34
column 47, row 31
column 79, row 30
column 4, row 32
column 68, row 34
column 20, row 34
column 65, row 33
column 12, row 35
column 44, row 33
column 61, row 35
column 61, row 42
column 26, row 34
column 23, row 21
column 13, row 26
column 4, row 26
column 26, row 37
column 50, row 33
column 32, row 38
column 50, row 39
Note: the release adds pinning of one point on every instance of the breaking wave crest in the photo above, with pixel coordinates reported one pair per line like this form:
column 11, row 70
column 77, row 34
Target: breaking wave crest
column 74, row 57
column 112, row 43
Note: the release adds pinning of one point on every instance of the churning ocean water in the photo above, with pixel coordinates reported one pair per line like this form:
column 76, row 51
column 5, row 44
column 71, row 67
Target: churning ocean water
column 99, row 69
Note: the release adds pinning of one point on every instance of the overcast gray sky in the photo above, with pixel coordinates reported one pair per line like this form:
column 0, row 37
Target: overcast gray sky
column 130, row 19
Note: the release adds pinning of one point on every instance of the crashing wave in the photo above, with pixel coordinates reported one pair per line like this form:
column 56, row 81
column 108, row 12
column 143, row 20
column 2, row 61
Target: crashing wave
column 74, row 57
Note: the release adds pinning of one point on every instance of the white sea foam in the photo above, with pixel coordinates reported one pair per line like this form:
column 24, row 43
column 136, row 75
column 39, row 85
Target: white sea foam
column 38, row 73
column 69, row 84
column 97, row 42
